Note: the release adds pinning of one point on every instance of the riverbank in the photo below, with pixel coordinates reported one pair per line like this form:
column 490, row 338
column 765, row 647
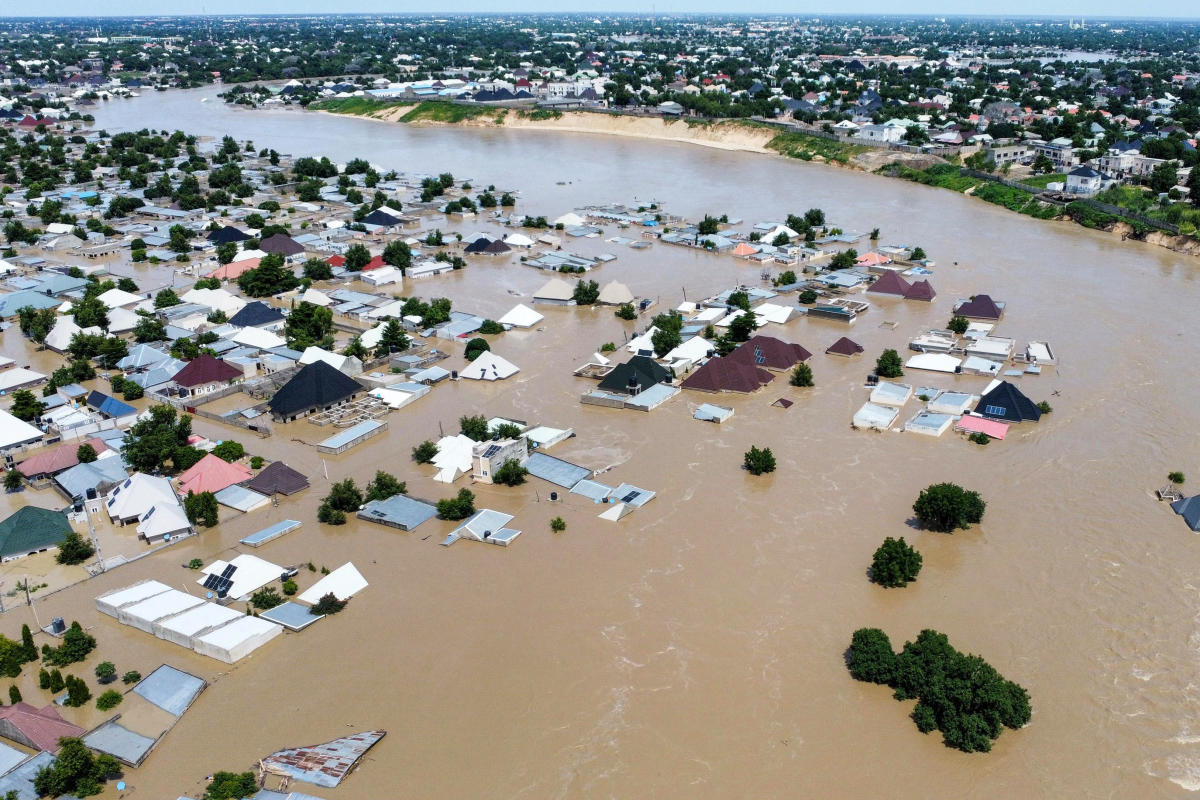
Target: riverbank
column 755, row 137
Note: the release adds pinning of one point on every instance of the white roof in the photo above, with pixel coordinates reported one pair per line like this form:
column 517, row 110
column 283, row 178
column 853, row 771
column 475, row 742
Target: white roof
column 227, row 637
column 137, row 494
column 247, row 255
column 378, row 277
column 642, row 342
column 521, row 316
column 18, row 376
column 163, row 518
column 344, row 582
column 194, row 620
column 518, row 240
column 115, row 298
column 489, row 367
column 317, row 298
column 131, row 594
column 370, row 339
column 251, row 573
column 555, row 289
column 335, row 360
column 391, row 309
column 891, row 394
column 121, row 320
column 216, row 299
column 64, row 330
column 709, row 315
column 259, row 337
column 615, row 293
column 14, row 431
column 778, row 230
column 935, row 362
column 875, row 416
column 161, row 605
column 454, row 454
column 773, row 312
column 569, row 220
column 686, row 307
column 693, row 349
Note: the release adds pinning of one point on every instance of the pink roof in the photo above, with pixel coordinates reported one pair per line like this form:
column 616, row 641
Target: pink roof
column 872, row 260
column 233, row 269
column 991, row 427
column 745, row 249
column 40, row 727
column 212, row 474
column 52, row 462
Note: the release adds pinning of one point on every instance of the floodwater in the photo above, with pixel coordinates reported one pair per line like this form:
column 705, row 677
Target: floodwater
column 695, row 648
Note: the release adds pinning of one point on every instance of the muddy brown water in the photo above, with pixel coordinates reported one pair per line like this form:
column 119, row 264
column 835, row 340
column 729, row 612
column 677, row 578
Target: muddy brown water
column 695, row 648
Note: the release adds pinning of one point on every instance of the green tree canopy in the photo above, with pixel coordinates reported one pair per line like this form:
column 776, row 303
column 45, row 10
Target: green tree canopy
column 945, row 507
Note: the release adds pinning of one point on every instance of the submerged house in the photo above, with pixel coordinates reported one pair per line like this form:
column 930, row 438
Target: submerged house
column 1006, row 403
column 981, row 306
column 316, row 387
column 769, row 352
column 635, row 376
column 728, row 375
column 30, row 530
column 205, row 374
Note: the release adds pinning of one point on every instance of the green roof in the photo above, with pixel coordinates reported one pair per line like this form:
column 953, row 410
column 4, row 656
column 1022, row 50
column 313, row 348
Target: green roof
column 32, row 529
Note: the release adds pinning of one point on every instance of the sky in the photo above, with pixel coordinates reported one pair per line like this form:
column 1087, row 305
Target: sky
column 1066, row 8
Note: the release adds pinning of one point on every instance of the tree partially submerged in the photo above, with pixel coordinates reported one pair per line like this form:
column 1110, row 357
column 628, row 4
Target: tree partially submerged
column 896, row 563
column 946, row 507
column 759, row 461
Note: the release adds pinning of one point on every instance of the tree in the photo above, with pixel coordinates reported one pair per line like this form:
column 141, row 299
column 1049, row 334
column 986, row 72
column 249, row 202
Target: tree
column 266, row 598
column 1164, row 177
column 870, row 657
column 344, row 496
column 25, row 406
column 13, row 480
column 357, row 257
column 510, row 473
column 626, row 312
column 742, row 326
column 179, row 239
column 229, row 450
column 786, row 278
column 491, row 328
column 915, row 135
column 127, row 284
column 328, row 604
column 392, row 339
column 271, row 276
column 166, row 298
column 57, row 684
column 1176, row 477
column 398, row 254
column 109, row 700
column 37, row 323
column 201, row 508
column 808, row 297
column 958, row 324
column 1193, row 185
column 112, row 350
column 917, row 254
column 424, row 452
column 475, row 347
column 106, row 672
column 90, row 312
column 802, row 375
column 75, row 771
column 586, row 293
column 12, row 656
column 758, row 462
column 889, row 365
column 14, row 694
column 309, row 325
column 895, row 563
column 153, row 442
column 85, row 453
column 28, row 649
column 231, row 786
column 149, row 329
column 226, row 252
column 474, row 427
column 356, row 349
column 844, row 260
column 1042, row 165
column 458, row 507
column 945, row 507
column 74, row 549
column 316, row 269
column 558, row 525
column 814, row 217
column 77, row 692
column 385, row 485
column 708, row 226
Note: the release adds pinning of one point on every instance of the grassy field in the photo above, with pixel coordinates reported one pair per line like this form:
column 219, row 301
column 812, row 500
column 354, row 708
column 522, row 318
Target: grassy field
column 1041, row 181
column 804, row 146
column 441, row 111
column 949, row 176
column 362, row 106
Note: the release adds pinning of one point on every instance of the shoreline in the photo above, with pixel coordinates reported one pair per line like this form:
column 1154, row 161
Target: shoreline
column 727, row 135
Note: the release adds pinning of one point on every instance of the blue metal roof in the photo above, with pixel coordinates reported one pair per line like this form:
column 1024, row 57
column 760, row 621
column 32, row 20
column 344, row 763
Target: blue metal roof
column 273, row 532
column 170, row 689
column 555, row 470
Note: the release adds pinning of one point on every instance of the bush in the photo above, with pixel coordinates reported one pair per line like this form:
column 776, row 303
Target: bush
column 511, row 473
column 945, row 507
column 1044, row 407
column 1176, row 477
column 133, row 676
column 558, row 525
column 109, row 700
column 231, row 786
column 458, row 507
column 74, row 549
column 626, row 312
column 979, row 437
column 491, row 327
column 266, row 598
column 229, row 451
column 195, row 563
column 424, row 452
column 475, row 347
column 290, row 587
column 808, row 297
column 895, row 563
column 256, row 462
column 14, row 694
column 328, row 604
column 330, row 515
column 758, row 461
column 106, row 672
column 958, row 324
column 961, row 695
column 889, row 365
column 802, row 375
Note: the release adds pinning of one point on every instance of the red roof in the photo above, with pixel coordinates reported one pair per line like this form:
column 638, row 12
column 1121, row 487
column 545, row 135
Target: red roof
column 206, row 369
column 37, row 727
column 726, row 375
column 844, row 347
column 336, row 261
column 374, row 263
column 769, row 352
column 52, row 462
column 212, row 474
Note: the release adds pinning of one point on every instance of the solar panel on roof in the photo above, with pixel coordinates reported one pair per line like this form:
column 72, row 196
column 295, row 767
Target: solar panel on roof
column 491, row 451
column 759, row 358
column 229, row 570
column 629, row 498
column 210, row 582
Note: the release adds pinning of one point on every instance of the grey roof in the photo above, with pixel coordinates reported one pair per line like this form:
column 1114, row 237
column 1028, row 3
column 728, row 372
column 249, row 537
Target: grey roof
column 117, row 740
column 20, row 780
column 9, row 757
column 592, row 490
column 273, row 532
column 631, row 495
column 398, row 511
column 78, row 479
column 1189, row 509
column 555, row 470
column 292, row 616
column 142, row 355
column 324, row 764
column 170, row 689
column 240, row 498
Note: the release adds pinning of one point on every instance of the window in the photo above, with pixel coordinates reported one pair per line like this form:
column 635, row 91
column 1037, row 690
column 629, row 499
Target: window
column 995, row 411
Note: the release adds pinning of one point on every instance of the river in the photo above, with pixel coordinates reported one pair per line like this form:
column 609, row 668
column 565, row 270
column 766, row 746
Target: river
column 695, row 648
